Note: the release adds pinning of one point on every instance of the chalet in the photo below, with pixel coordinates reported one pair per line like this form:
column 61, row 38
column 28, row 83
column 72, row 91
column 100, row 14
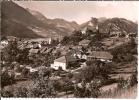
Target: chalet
column 100, row 55
column 60, row 62
column 84, row 42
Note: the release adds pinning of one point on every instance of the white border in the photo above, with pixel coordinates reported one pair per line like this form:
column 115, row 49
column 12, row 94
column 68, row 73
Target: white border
column 136, row 3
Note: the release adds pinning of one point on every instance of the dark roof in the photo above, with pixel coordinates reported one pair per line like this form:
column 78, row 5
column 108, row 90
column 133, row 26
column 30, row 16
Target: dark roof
column 43, row 50
column 48, row 50
column 101, row 55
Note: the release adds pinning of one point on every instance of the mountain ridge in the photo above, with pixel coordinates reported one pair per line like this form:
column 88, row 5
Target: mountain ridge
column 26, row 23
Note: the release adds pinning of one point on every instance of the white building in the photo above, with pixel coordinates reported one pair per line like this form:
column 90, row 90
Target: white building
column 84, row 30
column 4, row 43
column 60, row 62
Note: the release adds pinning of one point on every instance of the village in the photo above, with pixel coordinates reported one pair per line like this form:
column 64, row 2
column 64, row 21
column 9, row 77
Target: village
column 67, row 64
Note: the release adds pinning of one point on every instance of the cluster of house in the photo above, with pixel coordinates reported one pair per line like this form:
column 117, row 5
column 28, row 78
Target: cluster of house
column 68, row 53
column 4, row 42
column 76, row 52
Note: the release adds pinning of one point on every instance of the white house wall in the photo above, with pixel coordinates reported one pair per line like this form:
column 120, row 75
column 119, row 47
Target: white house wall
column 59, row 64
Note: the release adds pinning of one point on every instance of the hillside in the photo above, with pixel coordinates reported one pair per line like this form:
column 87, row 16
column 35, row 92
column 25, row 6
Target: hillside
column 57, row 23
column 112, row 24
column 16, row 21
column 25, row 23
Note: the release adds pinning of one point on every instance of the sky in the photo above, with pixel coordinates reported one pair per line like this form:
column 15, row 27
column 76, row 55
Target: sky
column 82, row 11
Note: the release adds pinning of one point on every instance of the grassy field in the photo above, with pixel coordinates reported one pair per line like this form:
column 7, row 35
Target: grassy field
column 128, row 93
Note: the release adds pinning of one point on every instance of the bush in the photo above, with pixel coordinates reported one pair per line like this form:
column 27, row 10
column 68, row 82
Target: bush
column 133, row 79
column 122, row 83
column 21, row 92
column 95, row 69
column 88, row 90
column 6, row 79
column 7, row 94
column 43, row 87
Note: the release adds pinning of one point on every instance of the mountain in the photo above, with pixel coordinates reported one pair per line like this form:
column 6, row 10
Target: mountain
column 118, row 25
column 111, row 24
column 58, row 23
column 16, row 21
column 37, row 15
column 20, row 22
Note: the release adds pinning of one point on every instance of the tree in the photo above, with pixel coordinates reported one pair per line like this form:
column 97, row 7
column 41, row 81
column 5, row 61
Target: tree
column 22, row 56
column 7, row 79
column 65, row 40
column 10, row 52
column 95, row 69
column 21, row 92
column 42, row 87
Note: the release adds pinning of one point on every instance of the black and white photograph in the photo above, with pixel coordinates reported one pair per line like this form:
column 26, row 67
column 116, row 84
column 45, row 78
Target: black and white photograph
column 69, row 49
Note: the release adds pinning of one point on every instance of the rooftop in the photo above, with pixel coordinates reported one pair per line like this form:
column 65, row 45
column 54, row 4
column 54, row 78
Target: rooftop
column 84, row 42
column 61, row 59
column 34, row 50
column 102, row 55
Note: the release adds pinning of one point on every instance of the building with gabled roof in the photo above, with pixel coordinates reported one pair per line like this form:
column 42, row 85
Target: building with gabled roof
column 101, row 55
column 84, row 42
column 43, row 49
column 34, row 51
column 60, row 62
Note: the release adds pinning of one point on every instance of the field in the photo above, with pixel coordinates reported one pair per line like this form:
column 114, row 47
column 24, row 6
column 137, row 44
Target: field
column 129, row 93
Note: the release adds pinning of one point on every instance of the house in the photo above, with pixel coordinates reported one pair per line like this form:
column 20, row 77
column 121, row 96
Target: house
column 4, row 42
column 100, row 55
column 84, row 42
column 60, row 62
column 83, row 31
column 77, row 53
column 74, row 53
column 11, row 38
column 36, row 45
column 115, row 34
column 132, row 34
column 34, row 51
column 84, row 56
column 32, row 70
column 54, row 78
column 92, row 27
column 48, row 51
column 18, row 75
column 43, row 49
